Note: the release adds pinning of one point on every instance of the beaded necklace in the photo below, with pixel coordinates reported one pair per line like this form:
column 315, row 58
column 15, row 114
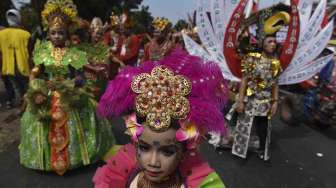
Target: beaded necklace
column 143, row 182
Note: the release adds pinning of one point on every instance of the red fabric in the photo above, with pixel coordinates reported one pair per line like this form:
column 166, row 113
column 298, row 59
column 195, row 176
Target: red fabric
column 194, row 169
column 325, row 20
column 146, row 52
column 132, row 51
column 117, row 170
column 59, row 156
column 308, row 84
column 107, row 38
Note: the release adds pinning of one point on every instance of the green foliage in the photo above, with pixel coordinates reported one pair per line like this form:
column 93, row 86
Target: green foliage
column 30, row 18
column 4, row 6
column 181, row 24
column 103, row 8
column 41, row 111
column 142, row 20
column 96, row 54
column 71, row 96
column 88, row 9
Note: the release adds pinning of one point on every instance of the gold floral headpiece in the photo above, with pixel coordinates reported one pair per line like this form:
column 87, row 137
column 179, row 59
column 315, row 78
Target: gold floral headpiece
column 161, row 97
column 59, row 13
column 58, row 22
column 160, row 24
column 115, row 20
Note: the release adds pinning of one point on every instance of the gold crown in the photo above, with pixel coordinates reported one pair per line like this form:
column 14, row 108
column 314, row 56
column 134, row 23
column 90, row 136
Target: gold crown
column 59, row 12
column 57, row 22
column 161, row 23
column 115, row 20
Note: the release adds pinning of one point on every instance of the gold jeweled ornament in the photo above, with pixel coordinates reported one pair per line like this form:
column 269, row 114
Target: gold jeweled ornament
column 57, row 22
column 57, row 54
column 161, row 96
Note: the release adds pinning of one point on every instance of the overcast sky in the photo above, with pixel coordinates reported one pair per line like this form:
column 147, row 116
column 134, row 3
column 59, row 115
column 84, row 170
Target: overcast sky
column 172, row 9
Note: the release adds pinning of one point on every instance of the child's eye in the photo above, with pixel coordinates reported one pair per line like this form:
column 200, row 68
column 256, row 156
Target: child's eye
column 169, row 151
column 143, row 148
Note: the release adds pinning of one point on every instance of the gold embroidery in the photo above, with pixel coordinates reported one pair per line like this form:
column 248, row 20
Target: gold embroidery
column 58, row 54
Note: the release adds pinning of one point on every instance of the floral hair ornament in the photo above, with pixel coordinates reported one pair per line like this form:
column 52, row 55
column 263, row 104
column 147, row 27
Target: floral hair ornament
column 160, row 24
column 134, row 129
column 161, row 97
column 115, row 20
column 59, row 13
column 188, row 132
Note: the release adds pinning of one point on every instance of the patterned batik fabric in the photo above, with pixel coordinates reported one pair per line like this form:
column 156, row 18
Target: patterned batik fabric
column 262, row 73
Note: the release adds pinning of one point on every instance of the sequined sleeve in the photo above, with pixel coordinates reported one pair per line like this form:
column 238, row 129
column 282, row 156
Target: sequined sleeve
column 249, row 63
column 276, row 68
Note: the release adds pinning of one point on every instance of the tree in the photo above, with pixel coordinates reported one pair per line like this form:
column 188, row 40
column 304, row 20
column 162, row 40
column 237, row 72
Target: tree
column 181, row 24
column 87, row 9
column 4, row 6
column 30, row 19
column 142, row 20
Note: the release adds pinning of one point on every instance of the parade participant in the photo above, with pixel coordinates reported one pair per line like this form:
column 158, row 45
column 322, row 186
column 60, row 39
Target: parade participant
column 59, row 129
column 169, row 106
column 112, row 35
column 96, row 71
column 160, row 45
column 114, row 39
column 96, row 30
column 258, row 93
column 14, row 44
column 126, row 46
column 259, row 72
column 130, row 47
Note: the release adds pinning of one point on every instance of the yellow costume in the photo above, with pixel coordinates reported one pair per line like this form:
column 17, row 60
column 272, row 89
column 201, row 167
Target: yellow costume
column 14, row 48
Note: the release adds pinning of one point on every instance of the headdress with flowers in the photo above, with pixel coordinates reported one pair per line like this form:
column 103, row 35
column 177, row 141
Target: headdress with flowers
column 65, row 10
column 180, row 87
column 161, row 24
column 115, row 20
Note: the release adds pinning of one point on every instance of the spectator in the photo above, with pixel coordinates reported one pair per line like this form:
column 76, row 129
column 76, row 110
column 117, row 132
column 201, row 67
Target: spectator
column 15, row 58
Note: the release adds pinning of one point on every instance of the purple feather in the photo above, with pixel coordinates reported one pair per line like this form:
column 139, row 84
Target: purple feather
column 207, row 98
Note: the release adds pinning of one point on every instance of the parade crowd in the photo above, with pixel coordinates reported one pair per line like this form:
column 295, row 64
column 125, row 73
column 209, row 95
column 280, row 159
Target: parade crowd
column 70, row 78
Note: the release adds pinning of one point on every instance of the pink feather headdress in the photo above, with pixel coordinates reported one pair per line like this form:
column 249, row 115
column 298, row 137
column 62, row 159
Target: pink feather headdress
column 207, row 97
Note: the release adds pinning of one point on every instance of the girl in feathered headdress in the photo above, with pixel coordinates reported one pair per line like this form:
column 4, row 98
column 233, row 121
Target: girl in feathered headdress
column 169, row 105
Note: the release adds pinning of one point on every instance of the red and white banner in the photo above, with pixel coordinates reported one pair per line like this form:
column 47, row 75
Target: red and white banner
column 230, row 53
column 306, row 73
column 309, row 52
column 291, row 43
column 314, row 24
column 195, row 49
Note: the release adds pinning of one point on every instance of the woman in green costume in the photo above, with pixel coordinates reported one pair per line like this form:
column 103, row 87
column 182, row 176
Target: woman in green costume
column 60, row 129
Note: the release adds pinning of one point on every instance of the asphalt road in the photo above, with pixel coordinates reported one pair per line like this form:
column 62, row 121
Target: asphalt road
column 302, row 157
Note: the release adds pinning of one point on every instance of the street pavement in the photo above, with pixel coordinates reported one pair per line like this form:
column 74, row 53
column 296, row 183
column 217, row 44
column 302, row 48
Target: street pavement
column 302, row 157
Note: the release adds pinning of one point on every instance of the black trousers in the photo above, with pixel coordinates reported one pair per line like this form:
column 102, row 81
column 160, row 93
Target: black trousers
column 15, row 86
column 261, row 125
